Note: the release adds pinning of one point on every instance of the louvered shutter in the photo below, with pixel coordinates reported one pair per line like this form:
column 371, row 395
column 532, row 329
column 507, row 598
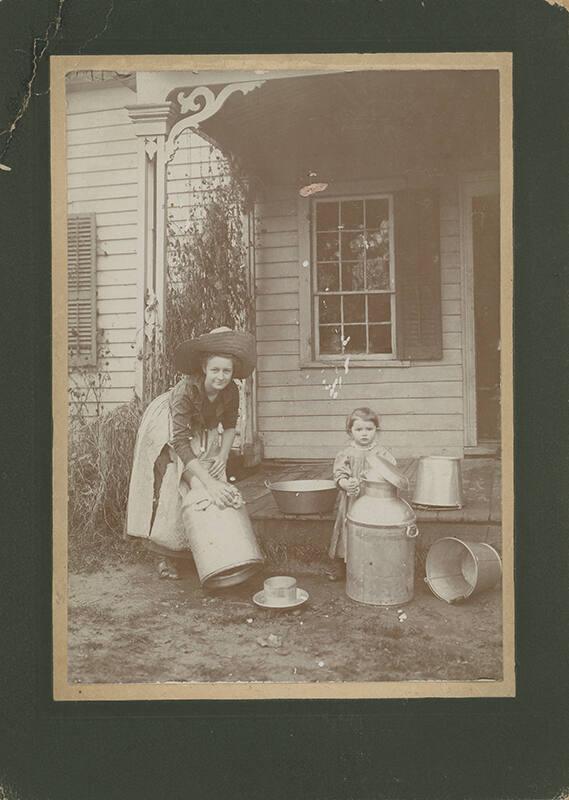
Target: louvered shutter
column 81, row 310
column 418, row 275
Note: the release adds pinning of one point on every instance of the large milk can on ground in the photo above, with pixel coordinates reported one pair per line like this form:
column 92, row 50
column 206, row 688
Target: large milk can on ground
column 223, row 545
column 381, row 543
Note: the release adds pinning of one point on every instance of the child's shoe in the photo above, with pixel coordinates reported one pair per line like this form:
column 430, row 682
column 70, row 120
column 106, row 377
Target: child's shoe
column 336, row 571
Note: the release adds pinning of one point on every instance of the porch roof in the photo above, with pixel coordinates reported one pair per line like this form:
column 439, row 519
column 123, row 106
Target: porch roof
column 356, row 125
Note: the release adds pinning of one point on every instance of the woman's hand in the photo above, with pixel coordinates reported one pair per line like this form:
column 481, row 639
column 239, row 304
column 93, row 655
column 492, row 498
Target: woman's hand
column 217, row 467
column 221, row 493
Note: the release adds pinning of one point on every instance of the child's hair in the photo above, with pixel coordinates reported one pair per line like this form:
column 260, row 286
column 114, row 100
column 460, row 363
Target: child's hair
column 364, row 413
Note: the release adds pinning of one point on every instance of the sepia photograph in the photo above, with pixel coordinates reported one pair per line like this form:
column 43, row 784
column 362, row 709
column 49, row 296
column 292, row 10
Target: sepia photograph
column 282, row 348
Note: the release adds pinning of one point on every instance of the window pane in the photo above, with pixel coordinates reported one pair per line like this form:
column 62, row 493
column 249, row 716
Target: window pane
column 329, row 308
column 354, row 339
column 353, row 245
column 327, row 216
column 327, row 278
column 378, row 273
column 352, row 214
column 330, row 339
column 380, row 338
column 353, row 276
column 376, row 211
column 354, row 308
column 327, row 248
column 379, row 307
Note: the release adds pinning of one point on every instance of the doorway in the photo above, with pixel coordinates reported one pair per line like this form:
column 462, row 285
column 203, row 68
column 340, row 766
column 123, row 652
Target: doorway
column 480, row 256
column 486, row 279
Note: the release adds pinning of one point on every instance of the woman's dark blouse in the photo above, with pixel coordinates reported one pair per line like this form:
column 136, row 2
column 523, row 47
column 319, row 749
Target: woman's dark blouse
column 192, row 413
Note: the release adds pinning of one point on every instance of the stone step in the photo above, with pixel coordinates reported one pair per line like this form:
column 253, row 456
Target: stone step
column 302, row 539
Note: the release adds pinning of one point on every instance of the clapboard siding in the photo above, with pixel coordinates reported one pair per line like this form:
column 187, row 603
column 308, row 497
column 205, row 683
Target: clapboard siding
column 421, row 439
column 102, row 163
column 90, row 151
column 107, row 262
column 283, row 347
column 278, row 269
column 323, row 452
column 108, row 206
column 102, row 179
column 373, row 375
column 123, row 322
column 118, row 230
column 314, row 408
column 117, row 277
column 375, row 392
column 279, row 255
column 270, row 333
column 452, row 323
column 289, row 317
column 125, row 191
column 421, row 404
column 277, row 285
column 118, row 177
column 273, row 302
column 112, row 133
column 87, row 119
column 389, row 422
column 117, row 292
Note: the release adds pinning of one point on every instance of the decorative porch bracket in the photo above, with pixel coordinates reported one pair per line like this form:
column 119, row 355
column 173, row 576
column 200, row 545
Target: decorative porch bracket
column 157, row 127
column 201, row 104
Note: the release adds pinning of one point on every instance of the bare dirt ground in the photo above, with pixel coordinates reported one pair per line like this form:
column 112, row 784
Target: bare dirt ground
column 127, row 626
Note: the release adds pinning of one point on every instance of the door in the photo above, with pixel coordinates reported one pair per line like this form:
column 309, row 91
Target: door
column 480, row 256
column 486, row 273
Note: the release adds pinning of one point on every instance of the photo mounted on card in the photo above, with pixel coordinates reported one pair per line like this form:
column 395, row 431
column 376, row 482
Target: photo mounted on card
column 282, row 347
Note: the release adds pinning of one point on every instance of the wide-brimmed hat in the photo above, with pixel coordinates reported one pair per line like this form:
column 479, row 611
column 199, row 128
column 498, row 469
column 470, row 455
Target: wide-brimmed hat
column 219, row 341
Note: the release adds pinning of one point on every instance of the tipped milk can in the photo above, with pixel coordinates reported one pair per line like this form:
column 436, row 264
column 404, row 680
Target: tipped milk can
column 381, row 541
column 223, row 545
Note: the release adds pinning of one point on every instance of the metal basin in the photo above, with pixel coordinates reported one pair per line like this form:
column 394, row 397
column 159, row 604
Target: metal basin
column 304, row 497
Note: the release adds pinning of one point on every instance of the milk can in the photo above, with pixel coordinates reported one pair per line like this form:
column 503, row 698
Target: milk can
column 223, row 545
column 381, row 541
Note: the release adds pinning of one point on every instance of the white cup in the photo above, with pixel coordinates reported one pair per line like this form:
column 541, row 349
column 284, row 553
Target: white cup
column 280, row 590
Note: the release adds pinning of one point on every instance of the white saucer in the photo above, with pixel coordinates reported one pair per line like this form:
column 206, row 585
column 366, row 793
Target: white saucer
column 301, row 597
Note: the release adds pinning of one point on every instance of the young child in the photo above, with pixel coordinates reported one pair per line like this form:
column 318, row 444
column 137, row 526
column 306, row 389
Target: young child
column 362, row 426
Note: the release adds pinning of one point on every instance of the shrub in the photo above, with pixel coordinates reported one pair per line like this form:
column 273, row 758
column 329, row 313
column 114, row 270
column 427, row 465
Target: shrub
column 100, row 460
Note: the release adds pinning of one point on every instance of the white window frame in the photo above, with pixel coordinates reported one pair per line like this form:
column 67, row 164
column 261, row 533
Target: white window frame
column 308, row 299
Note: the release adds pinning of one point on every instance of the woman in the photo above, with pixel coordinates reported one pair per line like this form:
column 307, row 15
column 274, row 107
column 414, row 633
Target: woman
column 183, row 444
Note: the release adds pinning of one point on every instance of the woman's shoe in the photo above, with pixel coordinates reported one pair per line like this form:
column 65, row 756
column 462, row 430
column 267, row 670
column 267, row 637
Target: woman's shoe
column 167, row 569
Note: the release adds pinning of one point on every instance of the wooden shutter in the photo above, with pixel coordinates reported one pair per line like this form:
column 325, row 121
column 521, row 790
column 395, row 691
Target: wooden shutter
column 418, row 275
column 81, row 310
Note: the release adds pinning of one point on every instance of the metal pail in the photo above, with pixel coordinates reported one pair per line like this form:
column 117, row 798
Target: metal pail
column 456, row 570
column 223, row 545
column 380, row 567
column 438, row 482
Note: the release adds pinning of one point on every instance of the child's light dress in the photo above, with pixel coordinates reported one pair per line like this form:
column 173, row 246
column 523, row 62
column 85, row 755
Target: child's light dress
column 350, row 462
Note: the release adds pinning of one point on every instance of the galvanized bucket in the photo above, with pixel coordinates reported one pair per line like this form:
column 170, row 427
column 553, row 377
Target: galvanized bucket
column 380, row 559
column 456, row 570
column 438, row 483
column 223, row 545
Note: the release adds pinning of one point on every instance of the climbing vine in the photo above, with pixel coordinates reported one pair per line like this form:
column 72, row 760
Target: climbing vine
column 208, row 271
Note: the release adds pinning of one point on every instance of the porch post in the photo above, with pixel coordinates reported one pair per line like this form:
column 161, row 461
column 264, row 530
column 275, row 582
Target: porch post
column 152, row 124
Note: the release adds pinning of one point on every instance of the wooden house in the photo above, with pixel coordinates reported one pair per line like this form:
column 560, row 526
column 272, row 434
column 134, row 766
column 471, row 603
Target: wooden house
column 378, row 287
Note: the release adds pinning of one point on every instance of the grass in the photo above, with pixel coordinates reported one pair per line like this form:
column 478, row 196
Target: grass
column 100, row 460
